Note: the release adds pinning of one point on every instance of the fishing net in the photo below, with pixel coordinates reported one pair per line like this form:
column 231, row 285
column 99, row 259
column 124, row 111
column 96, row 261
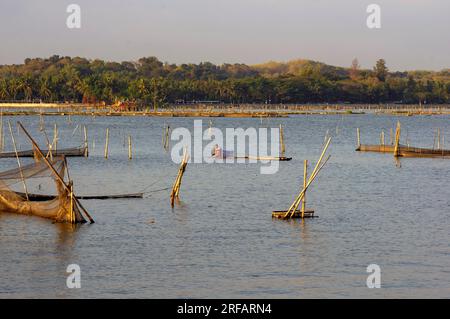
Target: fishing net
column 62, row 208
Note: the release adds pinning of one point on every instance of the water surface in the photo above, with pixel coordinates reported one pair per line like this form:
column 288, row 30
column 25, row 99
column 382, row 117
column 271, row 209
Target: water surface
column 220, row 240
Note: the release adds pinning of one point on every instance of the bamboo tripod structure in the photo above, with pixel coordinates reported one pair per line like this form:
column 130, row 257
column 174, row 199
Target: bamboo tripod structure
column 293, row 209
column 176, row 186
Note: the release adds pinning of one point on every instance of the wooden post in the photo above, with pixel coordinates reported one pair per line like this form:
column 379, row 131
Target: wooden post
column 358, row 137
column 107, row 142
column 382, row 138
column 55, row 139
column 397, row 140
column 176, row 186
column 438, row 138
column 86, row 143
column 1, row 132
column 282, row 146
column 305, row 176
column 391, row 137
column 129, row 147
column 18, row 160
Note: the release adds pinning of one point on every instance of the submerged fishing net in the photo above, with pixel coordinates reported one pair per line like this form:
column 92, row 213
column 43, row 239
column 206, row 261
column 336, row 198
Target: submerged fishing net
column 63, row 208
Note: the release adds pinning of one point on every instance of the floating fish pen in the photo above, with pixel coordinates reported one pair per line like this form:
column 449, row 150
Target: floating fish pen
column 67, row 152
column 400, row 150
column 64, row 207
column 293, row 212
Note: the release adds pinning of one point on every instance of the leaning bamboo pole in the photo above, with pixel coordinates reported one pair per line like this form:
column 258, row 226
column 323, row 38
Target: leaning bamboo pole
column 305, row 177
column 177, row 184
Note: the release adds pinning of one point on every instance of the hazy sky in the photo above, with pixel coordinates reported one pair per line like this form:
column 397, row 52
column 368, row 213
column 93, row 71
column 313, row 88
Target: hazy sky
column 415, row 34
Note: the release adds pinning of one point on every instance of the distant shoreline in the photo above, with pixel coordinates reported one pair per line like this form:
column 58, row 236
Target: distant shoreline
column 223, row 110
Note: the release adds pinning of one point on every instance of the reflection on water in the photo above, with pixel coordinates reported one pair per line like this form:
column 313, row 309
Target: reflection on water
column 220, row 239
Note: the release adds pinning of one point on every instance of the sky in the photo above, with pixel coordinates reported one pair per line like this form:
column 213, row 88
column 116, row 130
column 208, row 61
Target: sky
column 414, row 34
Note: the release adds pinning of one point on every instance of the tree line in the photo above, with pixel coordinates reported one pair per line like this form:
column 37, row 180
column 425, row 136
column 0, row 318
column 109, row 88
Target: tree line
column 152, row 83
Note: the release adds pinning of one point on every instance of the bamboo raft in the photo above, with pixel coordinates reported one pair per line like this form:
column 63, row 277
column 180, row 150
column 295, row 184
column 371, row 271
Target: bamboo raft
column 298, row 214
column 68, row 152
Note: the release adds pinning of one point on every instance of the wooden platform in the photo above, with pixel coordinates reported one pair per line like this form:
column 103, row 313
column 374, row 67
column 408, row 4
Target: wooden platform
column 69, row 152
column 377, row 148
column 405, row 151
column 42, row 197
column 298, row 214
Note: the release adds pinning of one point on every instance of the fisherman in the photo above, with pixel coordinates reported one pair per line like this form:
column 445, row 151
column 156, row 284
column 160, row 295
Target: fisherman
column 216, row 151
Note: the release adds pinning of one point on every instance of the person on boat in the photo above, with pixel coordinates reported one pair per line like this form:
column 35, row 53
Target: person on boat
column 217, row 151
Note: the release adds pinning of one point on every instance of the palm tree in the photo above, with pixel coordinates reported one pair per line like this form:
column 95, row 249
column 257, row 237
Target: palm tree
column 44, row 89
column 4, row 93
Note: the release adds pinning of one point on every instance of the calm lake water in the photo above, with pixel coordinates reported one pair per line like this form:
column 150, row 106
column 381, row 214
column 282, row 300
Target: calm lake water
column 221, row 241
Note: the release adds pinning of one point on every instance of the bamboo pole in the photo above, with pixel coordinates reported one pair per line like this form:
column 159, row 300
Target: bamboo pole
column 55, row 138
column 438, row 138
column 18, row 160
column 391, row 136
column 282, row 146
column 177, row 184
column 107, row 142
column 1, row 132
column 55, row 172
column 397, row 140
column 305, row 176
column 86, row 143
column 382, row 138
column 358, row 137
column 130, row 156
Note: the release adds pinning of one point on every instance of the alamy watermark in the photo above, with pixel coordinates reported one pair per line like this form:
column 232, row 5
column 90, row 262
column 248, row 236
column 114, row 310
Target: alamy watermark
column 237, row 145
column 73, row 281
column 374, row 279
column 374, row 19
column 73, row 21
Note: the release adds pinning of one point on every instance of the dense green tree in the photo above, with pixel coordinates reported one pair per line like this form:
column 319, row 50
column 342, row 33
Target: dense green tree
column 381, row 70
column 151, row 83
